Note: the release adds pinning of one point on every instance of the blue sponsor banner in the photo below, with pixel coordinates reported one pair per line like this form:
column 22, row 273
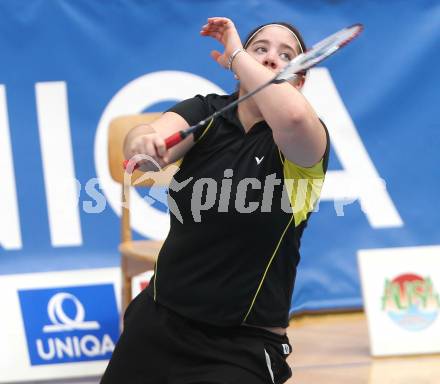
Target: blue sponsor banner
column 70, row 324
column 68, row 66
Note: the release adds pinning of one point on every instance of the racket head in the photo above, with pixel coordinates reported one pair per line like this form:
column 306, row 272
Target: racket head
column 319, row 52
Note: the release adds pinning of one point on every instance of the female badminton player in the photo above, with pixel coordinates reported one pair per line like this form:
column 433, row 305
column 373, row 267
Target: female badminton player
column 217, row 308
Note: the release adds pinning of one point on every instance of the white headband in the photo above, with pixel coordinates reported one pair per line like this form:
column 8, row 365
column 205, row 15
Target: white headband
column 278, row 25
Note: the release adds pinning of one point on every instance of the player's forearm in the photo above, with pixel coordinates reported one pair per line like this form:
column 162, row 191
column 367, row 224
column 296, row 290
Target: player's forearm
column 281, row 105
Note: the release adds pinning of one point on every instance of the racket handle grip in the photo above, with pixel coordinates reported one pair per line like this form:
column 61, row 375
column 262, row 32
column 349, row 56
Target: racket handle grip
column 174, row 139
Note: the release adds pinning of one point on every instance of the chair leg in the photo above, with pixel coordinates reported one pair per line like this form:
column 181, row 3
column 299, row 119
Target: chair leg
column 126, row 296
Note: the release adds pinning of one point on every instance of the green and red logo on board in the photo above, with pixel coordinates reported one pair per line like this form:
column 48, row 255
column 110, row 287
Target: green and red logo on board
column 411, row 301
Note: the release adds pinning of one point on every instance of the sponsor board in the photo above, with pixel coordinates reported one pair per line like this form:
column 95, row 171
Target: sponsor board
column 59, row 324
column 401, row 296
column 411, row 301
column 69, row 324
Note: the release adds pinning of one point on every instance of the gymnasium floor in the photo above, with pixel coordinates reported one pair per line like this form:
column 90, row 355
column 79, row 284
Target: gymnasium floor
column 332, row 349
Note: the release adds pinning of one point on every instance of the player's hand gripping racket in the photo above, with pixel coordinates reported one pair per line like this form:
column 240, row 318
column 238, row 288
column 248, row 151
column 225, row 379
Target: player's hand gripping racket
column 300, row 63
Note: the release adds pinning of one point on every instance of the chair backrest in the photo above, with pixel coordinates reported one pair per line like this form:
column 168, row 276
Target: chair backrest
column 118, row 130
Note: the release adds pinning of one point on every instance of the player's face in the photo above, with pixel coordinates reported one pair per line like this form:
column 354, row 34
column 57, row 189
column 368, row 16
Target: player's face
column 274, row 46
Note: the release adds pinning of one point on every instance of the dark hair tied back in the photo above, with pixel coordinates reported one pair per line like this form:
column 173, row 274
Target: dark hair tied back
column 295, row 31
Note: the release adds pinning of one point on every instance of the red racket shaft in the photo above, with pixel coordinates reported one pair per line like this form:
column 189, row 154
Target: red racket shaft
column 174, row 139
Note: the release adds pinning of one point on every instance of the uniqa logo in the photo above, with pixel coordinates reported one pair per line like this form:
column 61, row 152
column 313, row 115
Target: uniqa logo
column 71, row 346
column 411, row 301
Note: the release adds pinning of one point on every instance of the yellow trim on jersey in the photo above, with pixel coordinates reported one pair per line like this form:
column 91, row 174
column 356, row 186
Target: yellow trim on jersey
column 281, row 157
column 267, row 268
column 304, row 187
column 305, row 183
column 155, row 278
column 206, row 130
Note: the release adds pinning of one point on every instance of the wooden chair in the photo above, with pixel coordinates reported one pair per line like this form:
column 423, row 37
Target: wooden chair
column 137, row 256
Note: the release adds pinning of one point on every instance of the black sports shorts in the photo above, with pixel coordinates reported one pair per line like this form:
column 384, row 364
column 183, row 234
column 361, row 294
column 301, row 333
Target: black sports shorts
column 159, row 346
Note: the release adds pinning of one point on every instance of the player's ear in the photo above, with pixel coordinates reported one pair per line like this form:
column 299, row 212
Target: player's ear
column 299, row 81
